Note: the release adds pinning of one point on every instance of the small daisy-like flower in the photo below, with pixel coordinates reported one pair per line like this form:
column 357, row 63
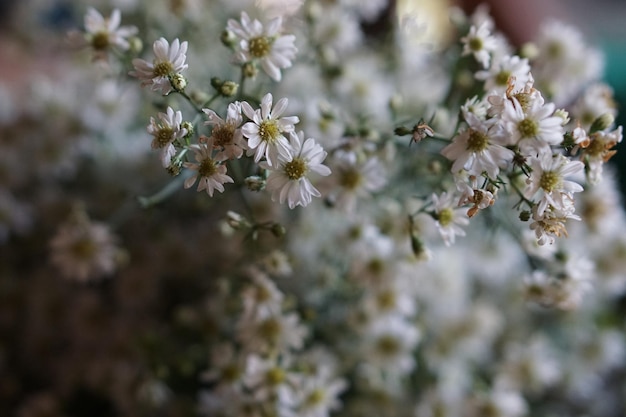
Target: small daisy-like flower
column 532, row 125
column 264, row 44
column 265, row 132
column 226, row 134
column 357, row 179
column 318, row 396
column 289, row 180
column 279, row 333
column 480, row 43
column 83, row 250
column 551, row 223
column 479, row 148
column 509, row 67
column 449, row 218
column 548, row 182
column 169, row 60
column 210, row 173
column 167, row 128
column 105, row 33
column 599, row 150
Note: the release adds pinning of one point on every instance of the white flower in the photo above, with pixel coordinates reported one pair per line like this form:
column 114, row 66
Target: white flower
column 532, row 125
column 266, row 44
column 83, row 249
column 265, row 133
column 103, row 33
column 599, row 150
column 480, row 43
column 317, row 396
column 167, row 128
column 226, row 367
column 548, row 182
column 269, row 379
column 288, row 181
column 479, row 148
column 356, row 179
column 389, row 344
column 550, row 224
column 226, row 134
column 448, row 217
column 261, row 299
column 509, row 67
column 169, row 60
column 210, row 173
column 278, row 333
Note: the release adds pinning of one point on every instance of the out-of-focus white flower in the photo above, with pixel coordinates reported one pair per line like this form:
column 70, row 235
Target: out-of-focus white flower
column 318, row 396
column 104, row 33
column 263, row 43
column 356, row 179
column 448, row 217
column 503, row 69
column 277, row 333
column 288, row 181
column 84, row 250
column 169, row 60
column 481, row 43
column 389, row 344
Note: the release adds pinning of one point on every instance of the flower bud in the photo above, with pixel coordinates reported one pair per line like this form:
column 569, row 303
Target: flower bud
column 255, row 183
column 178, row 82
column 601, row 123
column 524, row 215
column 229, row 88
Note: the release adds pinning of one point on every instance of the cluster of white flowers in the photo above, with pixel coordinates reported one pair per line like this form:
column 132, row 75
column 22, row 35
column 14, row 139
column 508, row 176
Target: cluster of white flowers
column 378, row 223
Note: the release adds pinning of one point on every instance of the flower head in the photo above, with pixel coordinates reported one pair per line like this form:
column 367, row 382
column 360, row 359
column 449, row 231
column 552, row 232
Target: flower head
column 169, row 61
column 264, row 44
column 210, row 173
column 265, row 132
column 226, row 134
column 104, row 33
column 289, row 181
column 449, row 218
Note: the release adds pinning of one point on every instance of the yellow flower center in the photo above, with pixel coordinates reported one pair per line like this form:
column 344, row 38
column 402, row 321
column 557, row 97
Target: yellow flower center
column 386, row 300
column 270, row 329
column 477, row 141
column 163, row 69
column 275, row 376
column 476, row 44
column 269, row 130
column 445, row 216
column 230, row 373
column 84, row 248
column 207, row 168
column 388, row 346
column 502, row 78
column 528, row 128
column 350, row 179
column 315, row 397
column 162, row 138
column 295, row 169
column 260, row 46
column 100, row 41
column 549, row 181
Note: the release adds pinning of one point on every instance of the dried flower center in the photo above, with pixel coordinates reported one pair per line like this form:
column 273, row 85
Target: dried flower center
column 207, row 168
column 376, row 266
column 502, row 78
column 388, row 345
column 259, row 46
column 163, row 137
column 163, row 69
column 269, row 130
column 223, row 134
column 477, row 141
column 528, row 128
column 549, row 181
column 523, row 99
column 596, row 148
column 100, row 41
column 555, row 50
column 295, row 169
column 350, row 179
column 476, row 44
column 445, row 216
